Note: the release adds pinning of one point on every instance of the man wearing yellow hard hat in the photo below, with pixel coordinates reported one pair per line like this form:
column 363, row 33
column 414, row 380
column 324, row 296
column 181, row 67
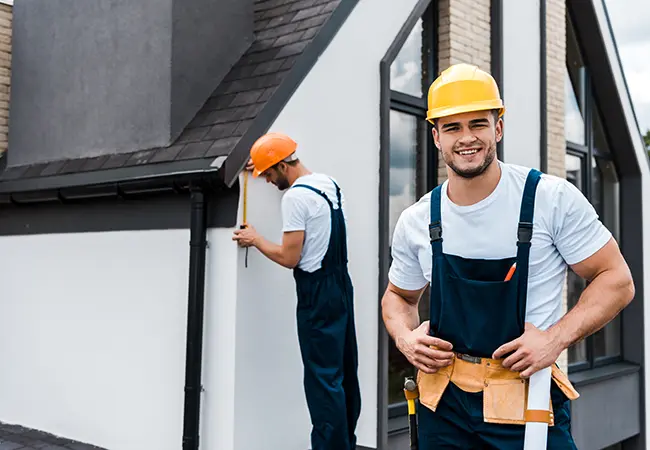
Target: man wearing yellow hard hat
column 314, row 245
column 493, row 242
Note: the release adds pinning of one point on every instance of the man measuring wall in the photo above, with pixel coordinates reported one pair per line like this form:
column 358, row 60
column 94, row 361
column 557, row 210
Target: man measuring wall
column 314, row 245
column 493, row 242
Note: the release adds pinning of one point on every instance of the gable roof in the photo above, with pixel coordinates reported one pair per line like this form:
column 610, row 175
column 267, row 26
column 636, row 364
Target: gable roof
column 290, row 35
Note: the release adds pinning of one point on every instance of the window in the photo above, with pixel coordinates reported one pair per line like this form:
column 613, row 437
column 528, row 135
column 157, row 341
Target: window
column 412, row 160
column 589, row 166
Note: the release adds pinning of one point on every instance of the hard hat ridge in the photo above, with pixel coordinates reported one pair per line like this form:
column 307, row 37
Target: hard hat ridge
column 463, row 88
column 271, row 149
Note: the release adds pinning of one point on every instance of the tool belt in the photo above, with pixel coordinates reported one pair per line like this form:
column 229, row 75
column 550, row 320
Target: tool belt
column 505, row 393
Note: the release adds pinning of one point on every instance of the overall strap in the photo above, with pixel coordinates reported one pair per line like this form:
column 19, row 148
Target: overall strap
column 338, row 193
column 319, row 192
column 524, row 237
column 435, row 227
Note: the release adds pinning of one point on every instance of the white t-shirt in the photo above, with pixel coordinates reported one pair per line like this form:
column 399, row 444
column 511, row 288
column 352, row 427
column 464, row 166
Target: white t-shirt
column 305, row 210
column 566, row 230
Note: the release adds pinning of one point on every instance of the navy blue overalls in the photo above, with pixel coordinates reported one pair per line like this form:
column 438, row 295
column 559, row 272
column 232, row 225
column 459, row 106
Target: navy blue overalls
column 477, row 311
column 327, row 337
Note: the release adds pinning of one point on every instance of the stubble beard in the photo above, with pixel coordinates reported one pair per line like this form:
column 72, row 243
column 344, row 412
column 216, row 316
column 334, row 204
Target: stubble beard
column 477, row 171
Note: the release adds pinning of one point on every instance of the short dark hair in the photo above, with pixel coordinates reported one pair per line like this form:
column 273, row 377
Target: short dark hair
column 495, row 113
column 291, row 163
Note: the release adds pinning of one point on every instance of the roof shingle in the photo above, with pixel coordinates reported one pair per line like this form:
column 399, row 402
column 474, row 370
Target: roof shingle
column 283, row 30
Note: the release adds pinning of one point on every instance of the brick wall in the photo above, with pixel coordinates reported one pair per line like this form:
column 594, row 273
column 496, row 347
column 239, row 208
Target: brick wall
column 463, row 37
column 555, row 64
column 5, row 70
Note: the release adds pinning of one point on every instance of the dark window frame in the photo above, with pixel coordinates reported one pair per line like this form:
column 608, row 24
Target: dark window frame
column 594, row 33
column 398, row 101
column 589, row 107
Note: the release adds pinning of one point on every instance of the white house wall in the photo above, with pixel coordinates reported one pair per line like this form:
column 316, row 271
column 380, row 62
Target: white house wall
column 218, row 397
column 521, row 81
column 334, row 116
column 92, row 336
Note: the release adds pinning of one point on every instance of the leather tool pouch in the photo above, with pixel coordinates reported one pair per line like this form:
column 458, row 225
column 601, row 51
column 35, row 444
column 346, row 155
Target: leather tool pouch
column 563, row 383
column 504, row 397
column 432, row 385
column 505, row 394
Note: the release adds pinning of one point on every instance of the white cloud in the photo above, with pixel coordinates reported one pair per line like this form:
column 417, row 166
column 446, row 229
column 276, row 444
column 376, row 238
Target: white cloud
column 630, row 20
column 405, row 70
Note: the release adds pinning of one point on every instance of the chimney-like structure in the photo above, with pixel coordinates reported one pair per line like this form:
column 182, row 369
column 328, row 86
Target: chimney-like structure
column 98, row 77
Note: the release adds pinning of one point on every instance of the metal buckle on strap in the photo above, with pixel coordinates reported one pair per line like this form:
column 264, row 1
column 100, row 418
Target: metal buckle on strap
column 525, row 232
column 469, row 358
column 435, row 231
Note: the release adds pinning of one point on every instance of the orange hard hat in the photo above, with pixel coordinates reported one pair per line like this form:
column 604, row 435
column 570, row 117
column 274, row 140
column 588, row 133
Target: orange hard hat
column 269, row 150
column 462, row 88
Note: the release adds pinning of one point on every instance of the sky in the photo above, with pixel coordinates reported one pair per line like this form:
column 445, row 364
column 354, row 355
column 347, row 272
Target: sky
column 630, row 19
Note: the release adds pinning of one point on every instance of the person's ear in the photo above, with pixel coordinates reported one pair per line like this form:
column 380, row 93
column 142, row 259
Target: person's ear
column 436, row 136
column 499, row 130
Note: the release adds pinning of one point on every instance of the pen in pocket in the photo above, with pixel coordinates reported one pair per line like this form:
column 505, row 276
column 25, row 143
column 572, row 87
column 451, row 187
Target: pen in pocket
column 511, row 272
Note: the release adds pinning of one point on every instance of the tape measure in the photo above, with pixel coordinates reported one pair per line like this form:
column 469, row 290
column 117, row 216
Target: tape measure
column 245, row 193
column 245, row 209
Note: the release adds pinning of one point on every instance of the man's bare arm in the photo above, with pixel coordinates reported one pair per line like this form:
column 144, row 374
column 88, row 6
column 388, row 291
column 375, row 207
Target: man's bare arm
column 400, row 310
column 287, row 254
column 611, row 289
column 401, row 318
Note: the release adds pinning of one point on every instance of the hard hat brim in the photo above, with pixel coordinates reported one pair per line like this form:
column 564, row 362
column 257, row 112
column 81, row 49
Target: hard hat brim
column 452, row 110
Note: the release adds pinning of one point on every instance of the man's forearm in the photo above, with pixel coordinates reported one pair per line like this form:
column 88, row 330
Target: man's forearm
column 400, row 316
column 600, row 302
column 273, row 251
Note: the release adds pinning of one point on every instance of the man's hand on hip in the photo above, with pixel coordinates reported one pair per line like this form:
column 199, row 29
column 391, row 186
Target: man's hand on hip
column 532, row 351
column 416, row 346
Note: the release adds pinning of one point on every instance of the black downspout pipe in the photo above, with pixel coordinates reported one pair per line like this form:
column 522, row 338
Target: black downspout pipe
column 194, row 345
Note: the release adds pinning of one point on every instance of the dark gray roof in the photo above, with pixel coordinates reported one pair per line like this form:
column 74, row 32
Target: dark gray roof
column 16, row 437
column 290, row 35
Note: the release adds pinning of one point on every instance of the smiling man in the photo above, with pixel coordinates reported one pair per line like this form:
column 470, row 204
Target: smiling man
column 493, row 242
column 314, row 245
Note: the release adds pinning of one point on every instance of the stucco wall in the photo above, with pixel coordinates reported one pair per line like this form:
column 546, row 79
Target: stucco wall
column 92, row 335
column 334, row 117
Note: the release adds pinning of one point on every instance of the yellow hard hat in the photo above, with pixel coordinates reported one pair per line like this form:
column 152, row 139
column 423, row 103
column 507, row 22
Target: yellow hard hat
column 463, row 88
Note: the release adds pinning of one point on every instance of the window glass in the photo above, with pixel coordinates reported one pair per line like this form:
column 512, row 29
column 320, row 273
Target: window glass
column 575, row 66
column 574, row 173
column 607, row 341
column 575, row 284
column 574, row 124
column 406, row 71
column 577, row 353
column 574, row 89
column 403, row 159
column 407, row 141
